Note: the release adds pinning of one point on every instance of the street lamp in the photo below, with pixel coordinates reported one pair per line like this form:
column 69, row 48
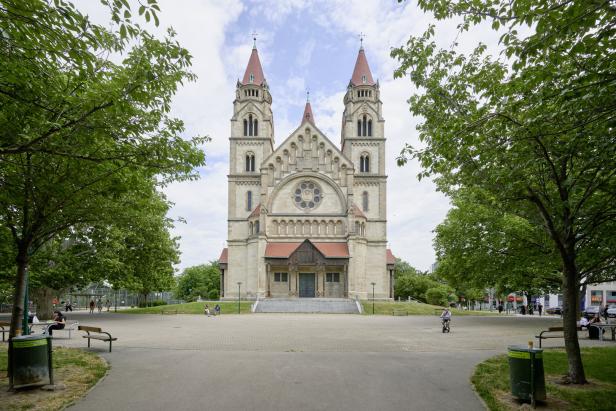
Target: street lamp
column 373, row 284
column 239, row 298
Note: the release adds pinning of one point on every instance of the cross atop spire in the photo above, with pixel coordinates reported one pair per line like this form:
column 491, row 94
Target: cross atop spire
column 307, row 95
column 361, row 40
column 254, row 39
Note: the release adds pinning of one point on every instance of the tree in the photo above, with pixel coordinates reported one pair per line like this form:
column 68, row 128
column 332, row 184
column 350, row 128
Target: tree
column 199, row 281
column 438, row 295
column 479, row 246
column 81, row 137
column 533, row 127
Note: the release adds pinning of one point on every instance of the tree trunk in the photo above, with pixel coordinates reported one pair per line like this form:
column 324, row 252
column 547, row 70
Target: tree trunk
column 43, row 298
column 17, row 314
column 570, row 317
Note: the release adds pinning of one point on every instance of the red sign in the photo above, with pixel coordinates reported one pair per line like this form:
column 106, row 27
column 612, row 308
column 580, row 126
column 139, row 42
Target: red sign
column 510, row 298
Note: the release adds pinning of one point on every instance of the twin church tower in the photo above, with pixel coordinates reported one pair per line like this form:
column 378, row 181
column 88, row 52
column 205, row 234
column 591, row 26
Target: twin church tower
column 307, row 219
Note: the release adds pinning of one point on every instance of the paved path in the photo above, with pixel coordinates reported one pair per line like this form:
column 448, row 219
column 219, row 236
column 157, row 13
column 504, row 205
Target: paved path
column 295, row 362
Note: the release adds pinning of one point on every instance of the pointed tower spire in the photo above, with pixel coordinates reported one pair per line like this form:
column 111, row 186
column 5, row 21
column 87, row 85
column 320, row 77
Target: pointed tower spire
column 361, row 72
column 254, row 71
column 308, row 111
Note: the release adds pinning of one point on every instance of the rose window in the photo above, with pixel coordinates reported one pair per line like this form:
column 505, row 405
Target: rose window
column 307, row 195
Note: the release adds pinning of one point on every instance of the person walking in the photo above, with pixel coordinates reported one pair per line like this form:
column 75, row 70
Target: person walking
column 217, row 309
column 207, row 310
column 604, row 312
column 99, row 305
column 68, row 306
column 540, row 309
column 500, row 308
column 91, row 306
column 108, row 304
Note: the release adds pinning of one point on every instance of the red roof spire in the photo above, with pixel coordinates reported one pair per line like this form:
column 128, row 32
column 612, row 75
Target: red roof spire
column 361, row 72
column 308, row 116
column 254, row 72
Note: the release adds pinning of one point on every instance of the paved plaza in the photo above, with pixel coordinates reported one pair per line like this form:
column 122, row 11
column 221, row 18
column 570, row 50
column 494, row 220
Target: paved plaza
column 295, row 361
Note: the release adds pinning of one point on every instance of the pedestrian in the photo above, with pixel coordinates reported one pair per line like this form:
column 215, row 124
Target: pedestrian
column 500, row 308
column 108, row 304
column 99, row 305
column 91, row 306
column 68, row 306
column 540, row 309
column 217, row 309
column 523, row 310
column 207, row 310
column 604, row 312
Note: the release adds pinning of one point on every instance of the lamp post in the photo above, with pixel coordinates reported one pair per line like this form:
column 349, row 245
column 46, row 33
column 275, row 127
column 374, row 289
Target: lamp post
column 373, row 284
column 239, row 298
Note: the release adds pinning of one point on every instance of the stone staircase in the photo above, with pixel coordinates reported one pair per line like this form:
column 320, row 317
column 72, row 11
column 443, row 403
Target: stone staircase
column 307, row 305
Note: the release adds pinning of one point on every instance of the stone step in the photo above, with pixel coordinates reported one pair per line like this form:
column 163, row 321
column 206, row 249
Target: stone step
column 307, row 305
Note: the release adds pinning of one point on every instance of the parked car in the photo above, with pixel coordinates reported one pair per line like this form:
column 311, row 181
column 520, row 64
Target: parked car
column 611, row 311
column 591, row 311
column 554, row 310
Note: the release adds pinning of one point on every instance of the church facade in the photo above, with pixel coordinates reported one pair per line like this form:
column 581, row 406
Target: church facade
column 305, row 218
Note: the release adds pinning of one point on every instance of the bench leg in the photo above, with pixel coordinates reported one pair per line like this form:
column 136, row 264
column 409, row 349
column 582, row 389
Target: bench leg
column 109, row 345
column 88, row 343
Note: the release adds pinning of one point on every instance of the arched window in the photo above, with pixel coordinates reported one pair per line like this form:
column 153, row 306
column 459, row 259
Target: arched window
column 363, row 79
column 364, row 126
column 369, row 128
column 249, row 201
column 364, row 200
column 250, row 125
column 364, row 163
column 256, row 128
column 250, row 161
column 245, row 127
column 252, row 78
column 358, row 128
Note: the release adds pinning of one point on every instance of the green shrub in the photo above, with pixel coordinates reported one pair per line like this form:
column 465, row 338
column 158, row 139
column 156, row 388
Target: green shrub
column 438, row 295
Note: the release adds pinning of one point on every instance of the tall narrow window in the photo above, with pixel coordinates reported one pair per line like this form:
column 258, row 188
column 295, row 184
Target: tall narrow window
column 369, row 128
column 364, row 127
column 245, row 127
column 250, row 162
column 252, row 78
column 364, row 201
column 358, row 128
column 256, row 227
column 256, row 128
column 364, row 163
column 248, row 200
column 250, row 124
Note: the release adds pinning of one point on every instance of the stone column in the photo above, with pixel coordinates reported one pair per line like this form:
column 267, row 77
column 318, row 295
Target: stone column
column 346, row 281
column 222, row 283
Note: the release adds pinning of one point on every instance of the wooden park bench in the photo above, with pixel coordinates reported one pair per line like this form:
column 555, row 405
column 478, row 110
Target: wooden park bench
column 550, row 330
column 5, row 328
column 100, row 335
column 399, row 312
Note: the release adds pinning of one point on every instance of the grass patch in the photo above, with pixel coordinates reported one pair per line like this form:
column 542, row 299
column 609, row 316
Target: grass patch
column 226, row 307
column 412, row 308
column 491, row 380
column 78, row 370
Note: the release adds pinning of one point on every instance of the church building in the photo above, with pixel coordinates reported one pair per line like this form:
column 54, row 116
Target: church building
column 307, row 219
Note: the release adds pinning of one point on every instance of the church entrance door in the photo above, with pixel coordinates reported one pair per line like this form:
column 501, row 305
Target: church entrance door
column 306, row 285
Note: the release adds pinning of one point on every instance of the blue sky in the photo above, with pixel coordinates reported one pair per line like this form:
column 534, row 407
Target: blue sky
column 302, row 44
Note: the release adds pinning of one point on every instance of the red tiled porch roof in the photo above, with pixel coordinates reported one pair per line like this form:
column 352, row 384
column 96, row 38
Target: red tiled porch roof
column 390, row 257
column 224, row 256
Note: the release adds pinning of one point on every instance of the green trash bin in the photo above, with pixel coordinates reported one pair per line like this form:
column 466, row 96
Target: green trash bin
column 30, row 361
column 526, row 373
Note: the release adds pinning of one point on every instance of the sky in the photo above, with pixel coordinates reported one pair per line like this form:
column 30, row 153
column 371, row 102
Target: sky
column 303, row 45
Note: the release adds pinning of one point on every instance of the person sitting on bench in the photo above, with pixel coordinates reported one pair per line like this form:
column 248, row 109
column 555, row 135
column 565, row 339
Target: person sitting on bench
column 593, row 332
column 583, row 323
column 59, row 324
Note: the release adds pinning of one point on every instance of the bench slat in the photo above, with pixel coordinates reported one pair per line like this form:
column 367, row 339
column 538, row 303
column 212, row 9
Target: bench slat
column 99, row 337
column 91, row 329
